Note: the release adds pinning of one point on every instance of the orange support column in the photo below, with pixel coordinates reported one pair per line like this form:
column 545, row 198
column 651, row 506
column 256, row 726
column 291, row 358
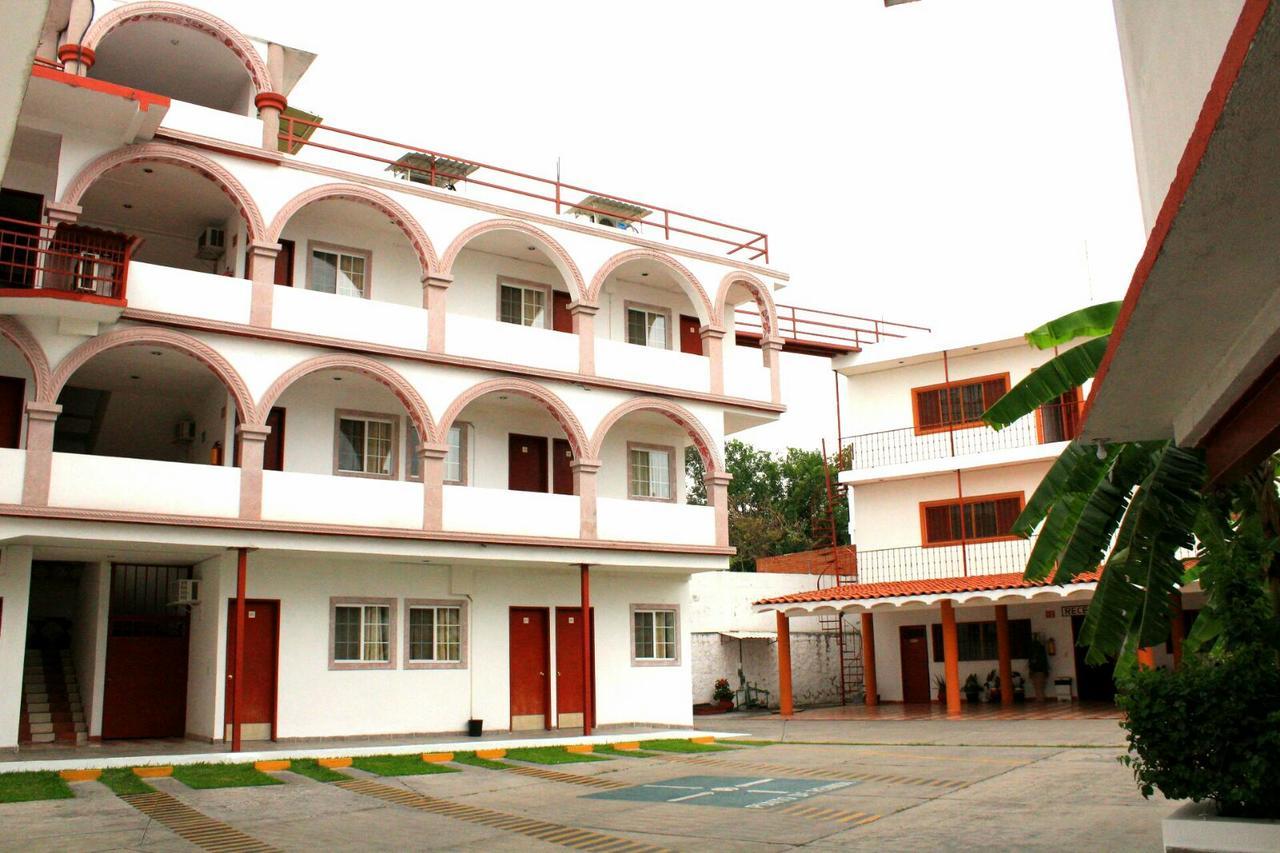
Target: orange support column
column 869, row 659
column 785, row 704
column 1177, row 628
column 951, row 657
column 1002, row 651
column 1147, row 658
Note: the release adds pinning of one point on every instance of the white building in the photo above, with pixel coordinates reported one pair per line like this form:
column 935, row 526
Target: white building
column 322, row 435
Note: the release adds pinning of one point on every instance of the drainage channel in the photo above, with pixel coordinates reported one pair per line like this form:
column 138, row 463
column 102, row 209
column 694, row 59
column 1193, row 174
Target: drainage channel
column 193, row 826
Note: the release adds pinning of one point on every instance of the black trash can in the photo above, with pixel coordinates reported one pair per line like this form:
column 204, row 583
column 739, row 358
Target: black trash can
column 475, row 728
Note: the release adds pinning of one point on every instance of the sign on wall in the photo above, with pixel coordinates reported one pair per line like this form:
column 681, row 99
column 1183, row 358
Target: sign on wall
column 1075, row 609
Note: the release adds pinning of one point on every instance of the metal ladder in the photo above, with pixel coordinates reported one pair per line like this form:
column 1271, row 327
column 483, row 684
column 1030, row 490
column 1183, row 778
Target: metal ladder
column 848, row 638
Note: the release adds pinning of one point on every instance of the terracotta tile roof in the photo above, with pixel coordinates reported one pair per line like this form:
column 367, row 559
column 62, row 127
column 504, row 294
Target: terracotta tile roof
column 932, row 586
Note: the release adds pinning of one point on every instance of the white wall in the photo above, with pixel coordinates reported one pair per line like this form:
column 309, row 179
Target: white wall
column 207, row 655
column 15, row 584
column 722, row 601
column 89, row 640
column 815, row 666
column 474, row 291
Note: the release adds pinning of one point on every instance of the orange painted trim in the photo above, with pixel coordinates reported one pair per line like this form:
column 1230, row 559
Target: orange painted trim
column 271, row 99
column 702, row 739
column 68, row 295
column 146, row 100
column 954, row 383
column 272, row 765
column 71, row 52
column 153, row 771
column 1233, row 58
column 579, row 748
column 332, row 763
column 491, row 754
column 79, row 775
column 973, row 499
column 437, row 757
column 628, row 746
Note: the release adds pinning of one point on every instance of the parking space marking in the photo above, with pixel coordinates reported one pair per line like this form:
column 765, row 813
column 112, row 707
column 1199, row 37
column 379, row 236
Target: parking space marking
column 552, row 833
column 817, row 773
column 735, row 792
column 568, row 778
column 833, row 815
column 191, row 825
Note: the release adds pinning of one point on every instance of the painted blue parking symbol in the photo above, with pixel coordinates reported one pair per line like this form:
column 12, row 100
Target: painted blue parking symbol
column 734, row 792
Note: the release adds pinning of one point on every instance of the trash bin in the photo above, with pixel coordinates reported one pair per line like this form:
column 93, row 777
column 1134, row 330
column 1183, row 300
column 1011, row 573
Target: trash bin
column 475, row 728
column 1062, row 689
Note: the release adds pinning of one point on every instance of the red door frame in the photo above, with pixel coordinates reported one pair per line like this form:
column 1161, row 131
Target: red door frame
column 561, row 319
column 537, row 445
column 561, row 466
column 923, row 631
column 690, row 335
column 13, row 390
column 546, row 658
column 228, row 697
column 589, row 660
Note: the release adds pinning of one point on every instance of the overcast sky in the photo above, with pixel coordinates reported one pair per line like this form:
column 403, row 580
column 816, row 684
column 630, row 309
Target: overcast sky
column 955, row 163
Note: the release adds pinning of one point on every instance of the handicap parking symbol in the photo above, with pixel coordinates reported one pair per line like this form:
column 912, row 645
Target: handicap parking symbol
column 735, row 792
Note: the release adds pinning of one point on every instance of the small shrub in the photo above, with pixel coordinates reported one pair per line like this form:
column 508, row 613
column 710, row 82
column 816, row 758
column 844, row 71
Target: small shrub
column 723, row 692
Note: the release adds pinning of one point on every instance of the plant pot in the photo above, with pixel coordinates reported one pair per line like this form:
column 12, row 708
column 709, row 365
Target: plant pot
column 1197, row 826
column 971, row 696
column 475, row 728
column 1037, row 683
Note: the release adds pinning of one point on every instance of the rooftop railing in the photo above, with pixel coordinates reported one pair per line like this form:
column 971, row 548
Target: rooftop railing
column 917, row 563
column 810, row 329
column 66, row 259
column 1047, row 425
column 448, row 171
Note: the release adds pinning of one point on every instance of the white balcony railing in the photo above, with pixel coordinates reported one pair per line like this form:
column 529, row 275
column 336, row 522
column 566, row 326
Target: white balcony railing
column 476, row 337
column 649, row 521
column 471, row 509
column 297, row 309
column 189, row 293
column 745, row 374
column 216, row 124
column 143, row 485
column 355, row 501
column 13, row 466
column 618, row 360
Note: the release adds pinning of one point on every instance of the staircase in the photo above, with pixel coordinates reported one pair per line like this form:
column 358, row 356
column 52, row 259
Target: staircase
column 51, row 709
column 831, row 573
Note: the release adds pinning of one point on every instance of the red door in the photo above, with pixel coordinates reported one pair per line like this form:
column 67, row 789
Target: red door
column 569, row 667
column 261, row 660
column 914, row 649
column 18, row 255
column 273, row 451
column 530, row 659
column 561, row 467
column 561, row 319
column 526, row 463
column 12, row 391
column 284, row 264
column 690, row 335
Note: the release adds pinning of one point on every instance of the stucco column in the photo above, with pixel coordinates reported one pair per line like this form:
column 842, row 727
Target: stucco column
column 1003, row 655
column 951, row 657
column 435, row 289
column 584, row 486
column 433, row 456
column 15, row 569
column 772, row 359
column 584, row 326
column 262, row 271
column 41, row 418
column 76, row 59
column 61, row 213
column 270, row 105
column 869, row 659
column 713, row 349
column 718, row 496
column 786, row 705
column 253, row 442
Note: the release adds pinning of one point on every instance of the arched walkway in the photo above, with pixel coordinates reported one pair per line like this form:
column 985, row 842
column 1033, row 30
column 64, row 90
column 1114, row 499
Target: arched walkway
column 25, row 342
column 673, row 412
column 400, row 217
column 177, row 341
column 392, row 380
column 554, row 405
column 183, row 16
column 186, row 158
column 686, row 279
column 763, row 299
column 559, row 256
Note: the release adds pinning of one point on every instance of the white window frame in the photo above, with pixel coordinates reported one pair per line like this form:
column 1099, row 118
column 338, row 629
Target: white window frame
column 459, row 428
column 648, row 311
column 388, row 604
column 651, row 610
column 543, row 290
column 348, row 251
column 435, row 604
column 633, row 447
column 393, row 461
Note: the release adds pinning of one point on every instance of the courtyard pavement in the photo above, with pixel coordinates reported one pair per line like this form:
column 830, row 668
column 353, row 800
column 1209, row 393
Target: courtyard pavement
column 944, row 785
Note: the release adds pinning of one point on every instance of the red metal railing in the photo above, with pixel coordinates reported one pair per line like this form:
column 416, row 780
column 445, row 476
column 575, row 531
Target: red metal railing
column 823, row 329
column 917, row 563
column 70, row 259
column 448, row 170
column 1048, row 424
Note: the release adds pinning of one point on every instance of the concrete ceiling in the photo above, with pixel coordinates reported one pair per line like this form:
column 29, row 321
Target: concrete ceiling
column 164, row 199
column 155, row 370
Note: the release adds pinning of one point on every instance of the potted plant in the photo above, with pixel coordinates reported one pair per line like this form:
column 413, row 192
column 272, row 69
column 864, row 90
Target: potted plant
column 723, row 694
column 1038, row 666
column 971, row 688
column 940, row 684
column 993, row 686
column 1019, row 688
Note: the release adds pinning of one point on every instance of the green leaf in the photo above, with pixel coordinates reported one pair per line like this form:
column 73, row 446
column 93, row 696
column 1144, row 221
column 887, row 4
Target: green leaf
column 1077, row 470
column 1047, row 383
column 1088, row 322
column 1104, row 508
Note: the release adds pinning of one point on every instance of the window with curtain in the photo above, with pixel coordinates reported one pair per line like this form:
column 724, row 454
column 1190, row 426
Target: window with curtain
column 959, row 404
column 647, row 327
column 650, row 473
column 338, row 271
column 977, row 640
column 435, row 634
column 982, row 517
column 366, row 445
column 654, row 635
column 361, row 633
column 454, row 470
column 523, row 306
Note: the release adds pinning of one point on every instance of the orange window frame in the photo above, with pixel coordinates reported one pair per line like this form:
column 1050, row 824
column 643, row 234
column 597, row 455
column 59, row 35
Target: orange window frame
column 925, row 506
column 1070, row 398
column 920, row 429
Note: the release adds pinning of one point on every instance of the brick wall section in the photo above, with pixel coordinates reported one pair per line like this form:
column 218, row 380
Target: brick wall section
column 809, row 562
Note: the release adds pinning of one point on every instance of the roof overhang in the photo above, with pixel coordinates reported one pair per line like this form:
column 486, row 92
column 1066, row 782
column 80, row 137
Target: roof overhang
column 59, row 102
column 1200, row 324
column 984, row 597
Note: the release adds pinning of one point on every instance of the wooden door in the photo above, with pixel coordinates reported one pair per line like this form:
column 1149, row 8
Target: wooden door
column 284, row 264
column 526, row 463
column 273, row 450
column 261, row 664
column 12, row 392
column 690, row 335
column 914, row 647
column 1093, row 681
column 561, row 467
column 561, row 319
column 569, row 667
column 529, row 660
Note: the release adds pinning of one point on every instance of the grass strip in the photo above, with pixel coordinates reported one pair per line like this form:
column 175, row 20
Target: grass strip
column 473, row 760
column 748, row 742
column 678, row 745
column 614, row 752
column 33, row 785
column 222, row 776
column 551, row 755
column 123, row 781
column 311, row 768
column 399, row 765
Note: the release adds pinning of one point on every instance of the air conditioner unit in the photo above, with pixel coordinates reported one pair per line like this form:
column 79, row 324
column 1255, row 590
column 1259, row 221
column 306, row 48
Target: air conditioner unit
column 211, row 244
column 184, row 430
column 185, row 591
column 90, row 272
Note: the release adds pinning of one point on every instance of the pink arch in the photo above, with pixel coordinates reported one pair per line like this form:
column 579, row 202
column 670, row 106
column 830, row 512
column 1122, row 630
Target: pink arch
column 554, row 405
column 559, row 256
column 693, row 287
column 375, row 370
column 675, row 413
column 20, row 337
column 193, row 347
column 191, row 18
column 400, row 217
column 163, row 152
column 763, row 298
